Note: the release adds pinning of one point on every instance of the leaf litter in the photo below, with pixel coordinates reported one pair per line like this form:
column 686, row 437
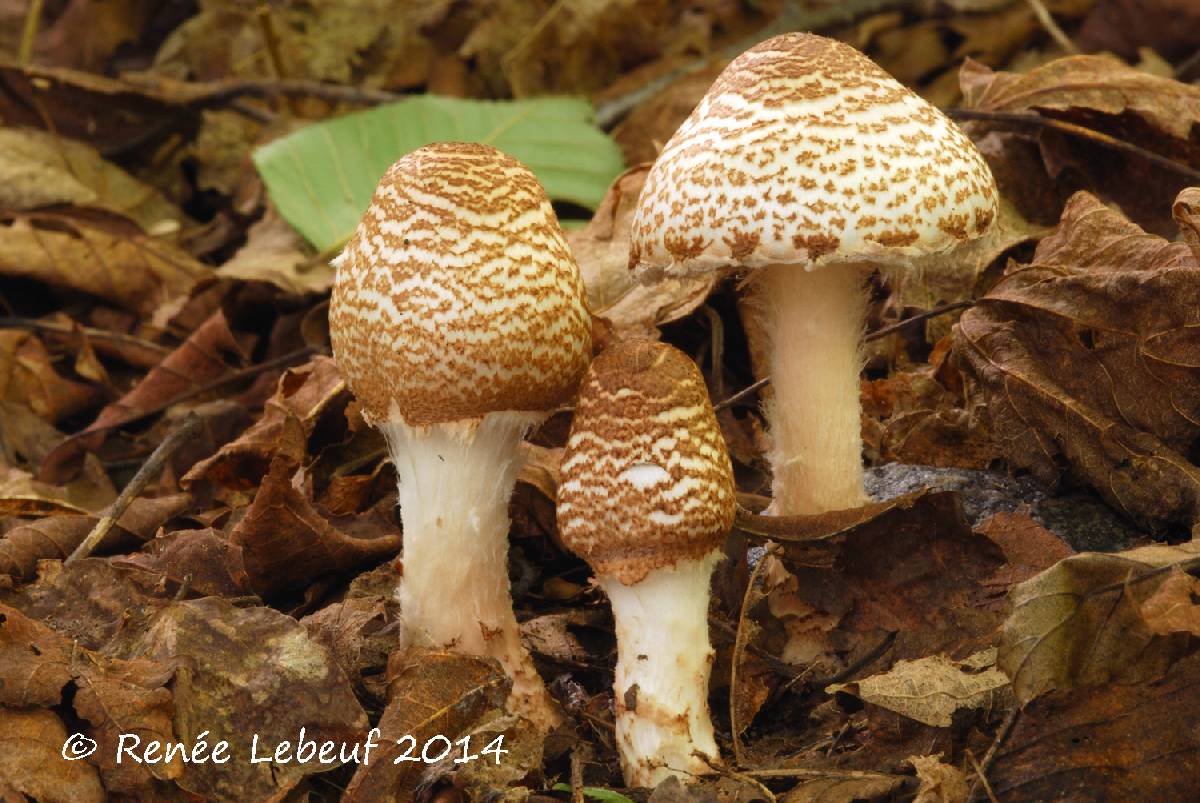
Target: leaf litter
column 148, row 271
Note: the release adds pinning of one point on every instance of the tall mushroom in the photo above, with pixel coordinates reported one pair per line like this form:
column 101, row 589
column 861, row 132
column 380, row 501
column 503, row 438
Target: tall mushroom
column 646, row 498
column 809, row 162
column 458, row 321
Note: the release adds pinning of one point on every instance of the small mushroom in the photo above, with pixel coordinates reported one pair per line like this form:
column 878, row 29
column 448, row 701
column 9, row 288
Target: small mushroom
column 810, row 164
column 458, row 321
column 646, row 498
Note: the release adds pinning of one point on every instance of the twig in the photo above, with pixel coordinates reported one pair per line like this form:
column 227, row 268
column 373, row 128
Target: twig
column 33, row 18
column 1047, row 21
column 808, row 772
column 576, row 776
column 883, row 331
column 182, row 434
column 262, row 16
column 1100, row 138
column 739, row 646
column 9, row 322
column 987, row 787
column 716, row 351
column 1001, row 734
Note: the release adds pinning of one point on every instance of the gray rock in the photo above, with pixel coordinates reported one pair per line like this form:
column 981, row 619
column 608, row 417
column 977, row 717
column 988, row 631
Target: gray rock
column 1082, row 520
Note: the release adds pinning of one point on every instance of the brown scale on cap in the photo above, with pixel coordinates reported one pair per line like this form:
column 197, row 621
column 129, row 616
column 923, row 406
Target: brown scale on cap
column 457, row 295
column 805, row 151
column 646, row 479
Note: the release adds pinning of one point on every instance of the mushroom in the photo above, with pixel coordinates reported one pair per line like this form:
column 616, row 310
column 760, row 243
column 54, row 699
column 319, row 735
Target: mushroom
column 458, row 321
column 807, row 161
column 646, row 498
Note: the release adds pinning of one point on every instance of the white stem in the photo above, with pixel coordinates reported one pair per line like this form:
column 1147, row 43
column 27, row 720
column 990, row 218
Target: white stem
column 663, row 662
column 455, row 484
column 814, row 413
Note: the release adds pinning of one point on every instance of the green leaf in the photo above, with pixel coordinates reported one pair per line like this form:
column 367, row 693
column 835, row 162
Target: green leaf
column 321, row 177
column 606, row 795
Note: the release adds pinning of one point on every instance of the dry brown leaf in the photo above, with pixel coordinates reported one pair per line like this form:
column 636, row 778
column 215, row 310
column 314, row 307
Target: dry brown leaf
column 245, row 672
column 34, row 661
column 23, row 495
column 602, row 250
column 1172, row 608
column 1088, row 356
column 930, row 690
column 28, row 377
column 1170, row 27
column 38, row 168
column 57, row 536
column 909, row 567
column 202, row 358
column 289, row 418
column 275, row 253
column 204, row 561
column 940, row 783
column 101, row 255
column 1134, row 742
column 286, row 542
column 430, row 693
column 360, row 635
column 1098, row 92
column 31, row 762
column 1080, row 622
column 118, row 697
column 843, row 790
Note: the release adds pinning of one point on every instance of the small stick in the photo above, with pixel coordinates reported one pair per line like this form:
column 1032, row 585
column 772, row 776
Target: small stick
column 1100, row 138
column 739, row 647
column 1047, row 21
column 33, row 18
column 182, row 434
column 883, row 331
column 1001, row 734
column 806, row 772
column 262, row 15
column 576, row 776
column 987, row 787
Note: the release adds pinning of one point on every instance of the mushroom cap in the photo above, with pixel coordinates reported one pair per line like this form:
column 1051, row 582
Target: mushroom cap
column 805, row 152
column 457, row 295
column 646, row 479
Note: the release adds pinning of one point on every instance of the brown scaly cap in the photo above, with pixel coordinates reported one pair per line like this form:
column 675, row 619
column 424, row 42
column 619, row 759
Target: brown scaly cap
column 805, row 151
column 457, row 295
column 646, row 478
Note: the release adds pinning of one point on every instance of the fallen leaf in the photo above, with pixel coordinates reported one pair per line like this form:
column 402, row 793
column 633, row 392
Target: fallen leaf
column 1110, row 742
column 843, row 790
column 204, row 561
column 250, row 672
column 120, row 697
column 430, row 694
column 360, row 634
column 1172, row 608
column 931, row 690
column 1080, row 622
column 39, row 168
column 910, row 567
column 281, row 433
column 1087, row 357
column 287, row 543
column 940, row 783
column 34, row 661
column 56, row 537
column 1124, row 26
column 1160, row 115
column 275, row 253
column 202, row 358
column 28, row 377
column 602, row 250
column 98, row 254
column 31, row 762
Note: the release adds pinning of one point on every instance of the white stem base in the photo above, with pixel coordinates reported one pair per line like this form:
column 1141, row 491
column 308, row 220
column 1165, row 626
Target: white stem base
column 455, row 484
column 814, row 412
column 664, row 659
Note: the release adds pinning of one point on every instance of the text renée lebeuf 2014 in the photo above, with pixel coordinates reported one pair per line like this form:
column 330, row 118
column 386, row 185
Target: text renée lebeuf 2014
column 131, row 748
